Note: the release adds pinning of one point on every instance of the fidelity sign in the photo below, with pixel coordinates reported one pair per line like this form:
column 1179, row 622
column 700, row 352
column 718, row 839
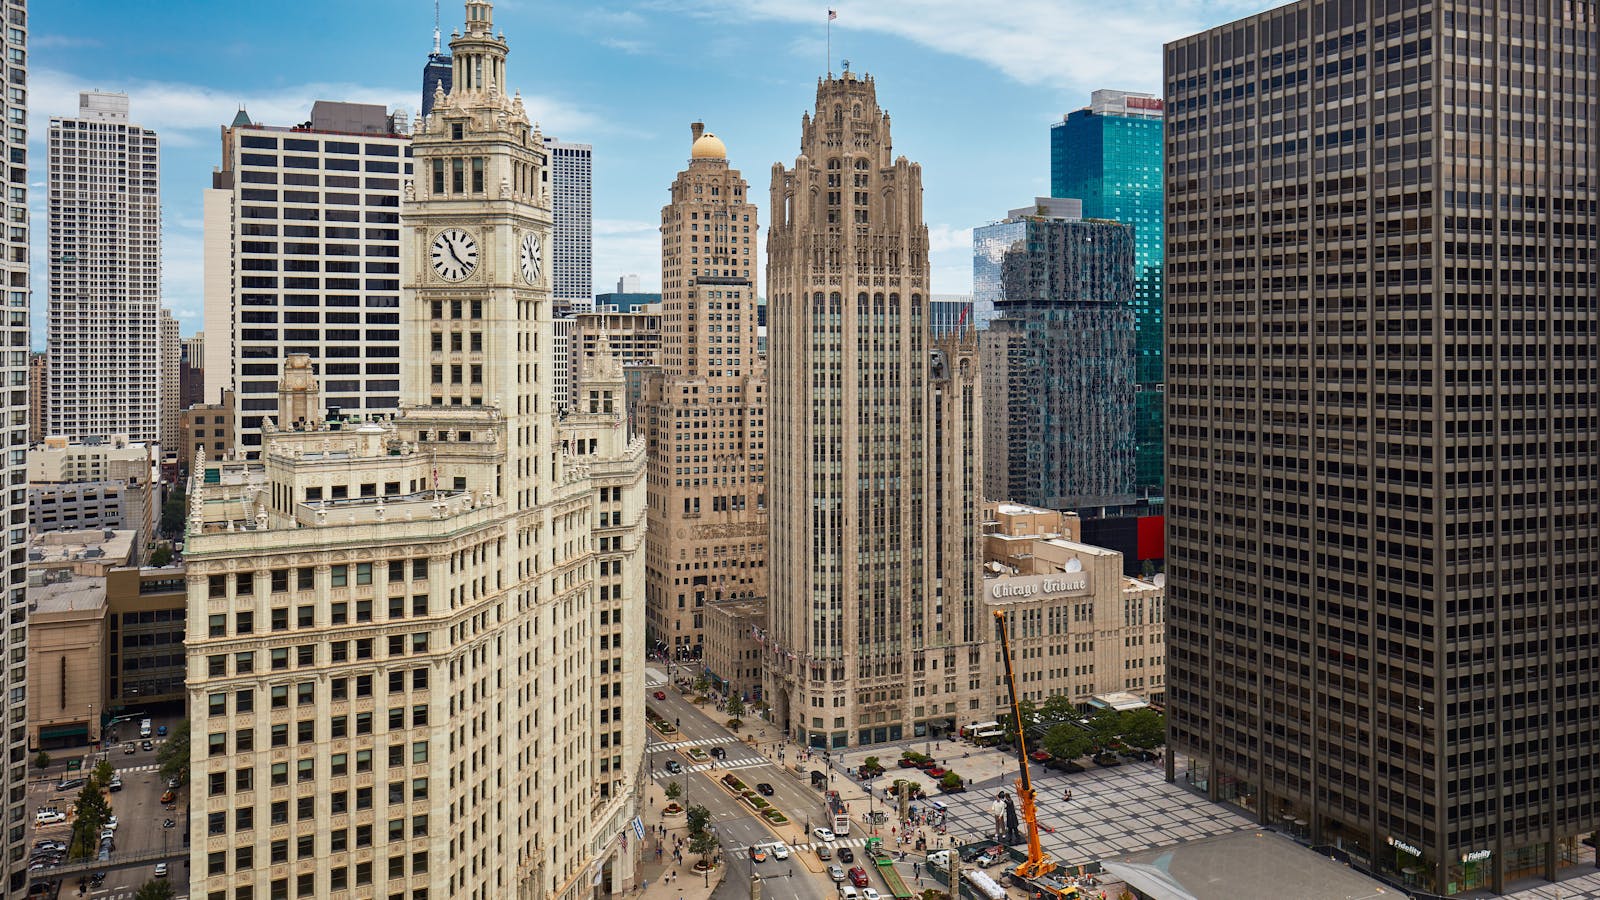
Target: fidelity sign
column 1031, row 587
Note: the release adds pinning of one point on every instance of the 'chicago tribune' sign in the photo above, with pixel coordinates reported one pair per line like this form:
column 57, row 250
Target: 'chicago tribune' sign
column 1037, row 587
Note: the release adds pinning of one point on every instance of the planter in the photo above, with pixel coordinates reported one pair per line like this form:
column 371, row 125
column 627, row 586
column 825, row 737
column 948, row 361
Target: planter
column 776, row 818
column 672, row 809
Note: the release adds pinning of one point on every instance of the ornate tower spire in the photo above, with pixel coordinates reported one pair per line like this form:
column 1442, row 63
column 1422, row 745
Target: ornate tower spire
column 480, row 56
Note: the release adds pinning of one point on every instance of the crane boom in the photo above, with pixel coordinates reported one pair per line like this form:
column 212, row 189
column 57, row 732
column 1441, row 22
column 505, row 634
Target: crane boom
column 1037, row 863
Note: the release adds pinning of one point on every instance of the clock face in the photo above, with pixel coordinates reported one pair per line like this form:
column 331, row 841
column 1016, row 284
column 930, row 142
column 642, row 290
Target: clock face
column 455, row 254
column 532, row 259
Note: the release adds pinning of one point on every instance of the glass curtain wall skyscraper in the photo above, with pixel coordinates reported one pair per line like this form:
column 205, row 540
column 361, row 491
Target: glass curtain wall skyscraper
column 1108, row 155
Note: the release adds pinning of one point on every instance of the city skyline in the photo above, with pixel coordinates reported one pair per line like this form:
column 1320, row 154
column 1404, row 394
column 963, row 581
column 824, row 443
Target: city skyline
column 606, row 78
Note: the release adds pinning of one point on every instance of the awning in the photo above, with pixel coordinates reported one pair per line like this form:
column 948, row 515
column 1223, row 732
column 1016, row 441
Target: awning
column 57, row 732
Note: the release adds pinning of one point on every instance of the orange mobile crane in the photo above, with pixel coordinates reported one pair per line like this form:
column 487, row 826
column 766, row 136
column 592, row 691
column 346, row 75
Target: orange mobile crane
column 1037, row 865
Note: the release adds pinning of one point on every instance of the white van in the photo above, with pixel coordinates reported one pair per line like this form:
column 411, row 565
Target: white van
column 144, row 728
column 849, row 892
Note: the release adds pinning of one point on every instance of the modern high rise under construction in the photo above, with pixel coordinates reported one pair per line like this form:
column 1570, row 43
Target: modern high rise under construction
column 1383, row 507
column 875, row 633
column 705, row 411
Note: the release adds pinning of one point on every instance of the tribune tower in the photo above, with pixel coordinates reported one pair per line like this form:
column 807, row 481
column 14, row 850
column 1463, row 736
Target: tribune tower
column 875, row 633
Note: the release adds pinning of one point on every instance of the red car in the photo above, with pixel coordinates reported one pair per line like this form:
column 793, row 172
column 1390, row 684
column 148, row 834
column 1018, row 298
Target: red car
column 858, row 876
column 660, row 695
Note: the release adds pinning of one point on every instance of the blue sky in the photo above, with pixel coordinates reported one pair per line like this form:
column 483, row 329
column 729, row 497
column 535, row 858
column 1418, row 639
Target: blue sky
column 972, row 88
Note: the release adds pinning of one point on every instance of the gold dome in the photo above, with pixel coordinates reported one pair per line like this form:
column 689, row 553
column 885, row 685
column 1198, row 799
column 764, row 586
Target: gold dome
column 708, row 146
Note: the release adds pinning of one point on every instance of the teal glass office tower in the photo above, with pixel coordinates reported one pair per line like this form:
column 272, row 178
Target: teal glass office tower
column 1108, row 155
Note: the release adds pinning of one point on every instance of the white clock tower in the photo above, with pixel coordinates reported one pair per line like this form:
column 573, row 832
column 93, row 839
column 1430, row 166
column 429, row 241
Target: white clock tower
column 477, row 226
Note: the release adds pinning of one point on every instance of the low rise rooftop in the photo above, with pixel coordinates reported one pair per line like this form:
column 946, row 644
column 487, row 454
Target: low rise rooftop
column 1244, row 865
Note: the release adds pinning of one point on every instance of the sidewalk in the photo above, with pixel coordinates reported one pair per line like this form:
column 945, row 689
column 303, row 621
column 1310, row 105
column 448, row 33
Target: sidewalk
column 666, row 878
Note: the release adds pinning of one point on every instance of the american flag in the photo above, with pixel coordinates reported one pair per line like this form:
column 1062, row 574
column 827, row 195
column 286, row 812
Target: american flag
column 832, row 15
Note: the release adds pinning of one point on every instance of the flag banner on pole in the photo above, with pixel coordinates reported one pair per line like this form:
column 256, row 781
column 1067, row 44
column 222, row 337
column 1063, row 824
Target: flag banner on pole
column 832, row 15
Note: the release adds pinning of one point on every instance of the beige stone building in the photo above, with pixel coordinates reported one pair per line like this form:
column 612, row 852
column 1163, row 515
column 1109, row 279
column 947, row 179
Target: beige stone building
column 732, row 649
column 1010, row 530
column 1078, row 626
column 877, row 631
column 705, row 416
column 429, row 666
column 208, row 428
column 66, row 658
column 634, row 338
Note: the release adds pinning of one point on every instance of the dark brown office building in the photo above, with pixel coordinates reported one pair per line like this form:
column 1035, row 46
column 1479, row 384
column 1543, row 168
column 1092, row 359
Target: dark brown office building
column 1383, row 424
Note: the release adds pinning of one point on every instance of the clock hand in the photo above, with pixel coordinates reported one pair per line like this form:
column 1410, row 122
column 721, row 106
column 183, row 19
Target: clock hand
column 453, row 255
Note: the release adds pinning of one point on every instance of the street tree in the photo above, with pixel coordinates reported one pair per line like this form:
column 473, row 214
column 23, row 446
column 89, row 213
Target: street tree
column 155, row 889
column 1144, row 728
column 703, row 843
column 1067, row 741
column 698, row 817
column 674, row 790
column 1106, row 726
column 103, row 773
column 174, row 754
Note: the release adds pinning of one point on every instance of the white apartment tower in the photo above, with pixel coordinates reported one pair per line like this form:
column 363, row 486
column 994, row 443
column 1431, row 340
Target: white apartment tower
column 302, row 255
column 572, row 256
column 14, row 276
column 104, row 182
column 416, row 645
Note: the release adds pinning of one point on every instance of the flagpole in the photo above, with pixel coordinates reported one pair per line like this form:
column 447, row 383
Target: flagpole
column 830, row 43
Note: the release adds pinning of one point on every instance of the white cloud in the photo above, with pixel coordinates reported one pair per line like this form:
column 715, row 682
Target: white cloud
column 1060, row 43
column 624, row 247
column 943, row 237
column 184, row 114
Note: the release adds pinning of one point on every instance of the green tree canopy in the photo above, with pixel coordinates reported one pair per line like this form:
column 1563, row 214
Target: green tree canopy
column 1106, row 726
column 1067, row 741
column 155, row 889
column 703, row 843
column 734, row 706
column 698, row 817
column 174, row 754
column 674, row 790
column 1058, row 708
column 103, row 773
column 1144, row 728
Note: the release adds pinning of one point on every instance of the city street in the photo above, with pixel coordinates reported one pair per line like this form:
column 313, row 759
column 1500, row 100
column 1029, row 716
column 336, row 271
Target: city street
column 801, row 876
column 140, row 821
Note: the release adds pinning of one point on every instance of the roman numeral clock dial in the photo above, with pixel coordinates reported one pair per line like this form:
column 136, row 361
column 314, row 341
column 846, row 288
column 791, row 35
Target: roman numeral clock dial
column 455, row 254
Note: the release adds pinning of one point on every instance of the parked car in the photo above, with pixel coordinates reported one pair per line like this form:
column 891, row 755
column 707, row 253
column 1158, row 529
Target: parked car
column 846, row 855
column 111, row 823
column 764, row 789
column 168, row 796
column 69, row 784
column 49, row 817
column 836, row 873
column 1040, row 756
column 991, row 856
column 858, row 876
column 115, row 784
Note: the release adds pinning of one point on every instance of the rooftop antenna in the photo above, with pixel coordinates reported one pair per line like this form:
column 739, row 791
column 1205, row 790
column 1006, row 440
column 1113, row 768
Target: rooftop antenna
column 436, row 27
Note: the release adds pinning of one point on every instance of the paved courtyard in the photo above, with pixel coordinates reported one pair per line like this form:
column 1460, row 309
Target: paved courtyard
column 1113, row 811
